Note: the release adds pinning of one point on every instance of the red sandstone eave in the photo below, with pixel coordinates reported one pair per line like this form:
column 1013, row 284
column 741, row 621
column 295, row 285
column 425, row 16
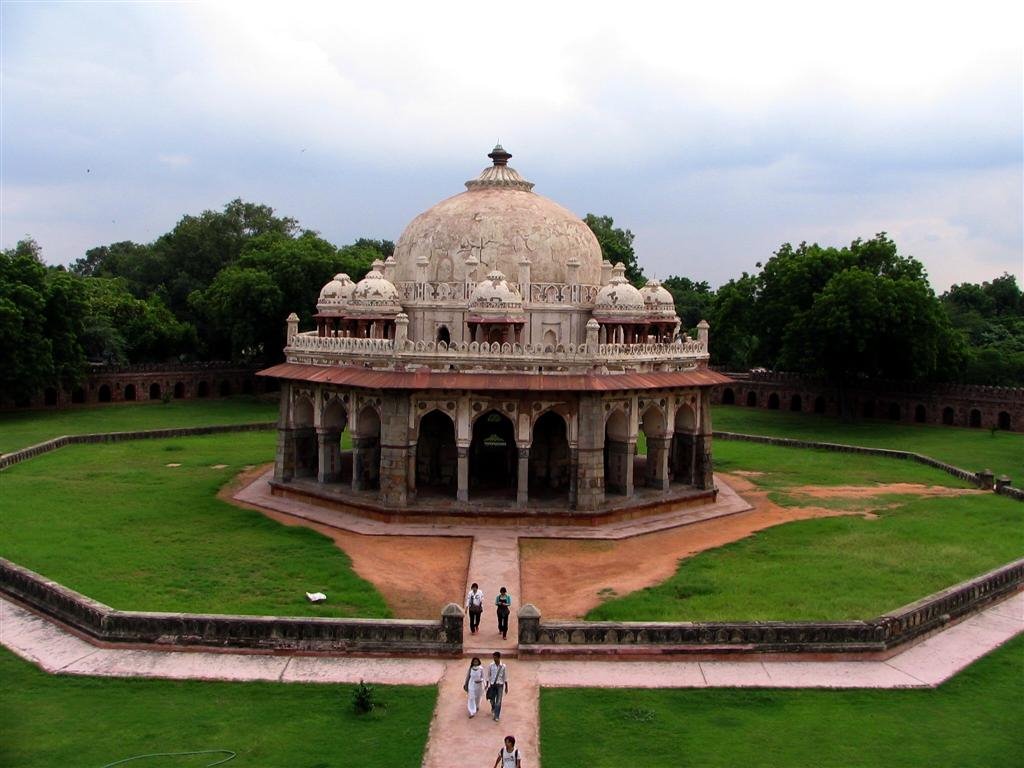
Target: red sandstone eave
column 533, row 382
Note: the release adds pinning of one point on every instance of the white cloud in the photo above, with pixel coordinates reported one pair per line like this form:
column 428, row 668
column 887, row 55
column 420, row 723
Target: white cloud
column 714, row 132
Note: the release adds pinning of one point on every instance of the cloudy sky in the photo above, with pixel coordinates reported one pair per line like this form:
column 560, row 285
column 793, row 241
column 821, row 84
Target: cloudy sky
column 714, row 134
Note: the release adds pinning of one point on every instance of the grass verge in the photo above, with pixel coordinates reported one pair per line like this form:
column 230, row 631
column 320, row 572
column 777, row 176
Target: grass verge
column 837, row 567
column 970, row 449
column 52, row 720
column 975, row 719
column 25, row 428
column 119, row 524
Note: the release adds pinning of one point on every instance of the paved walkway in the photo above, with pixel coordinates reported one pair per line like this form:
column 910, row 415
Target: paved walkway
column 258, row 494
column 457, row 741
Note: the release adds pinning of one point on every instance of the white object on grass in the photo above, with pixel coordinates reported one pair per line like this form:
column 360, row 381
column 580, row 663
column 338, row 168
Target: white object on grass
column 316, row 597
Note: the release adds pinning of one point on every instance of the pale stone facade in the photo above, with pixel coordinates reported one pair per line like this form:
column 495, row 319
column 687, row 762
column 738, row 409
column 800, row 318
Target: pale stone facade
column 495, row 359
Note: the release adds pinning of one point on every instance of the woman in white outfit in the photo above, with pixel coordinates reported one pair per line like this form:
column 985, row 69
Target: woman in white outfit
column 474, row 685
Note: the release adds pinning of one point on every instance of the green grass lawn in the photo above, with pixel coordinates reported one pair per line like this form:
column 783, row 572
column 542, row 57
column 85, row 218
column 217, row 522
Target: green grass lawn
column 970, row 449
column 975, row 719
column 25, row 428
column 114, row 522
column 832, row 568
column 51, row 720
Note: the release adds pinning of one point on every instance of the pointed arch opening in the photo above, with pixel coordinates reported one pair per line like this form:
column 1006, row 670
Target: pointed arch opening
column 493, row 457
column 684, row 442
column 436, row 456
column 366, row 450
column 549, row 457
column 335, row 464
column 618, row 457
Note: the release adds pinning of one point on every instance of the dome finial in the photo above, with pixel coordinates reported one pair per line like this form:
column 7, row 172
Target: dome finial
column 499, row 155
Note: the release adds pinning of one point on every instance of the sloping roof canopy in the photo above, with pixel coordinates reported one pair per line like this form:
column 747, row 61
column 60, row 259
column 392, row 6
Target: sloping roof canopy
column 552, row 382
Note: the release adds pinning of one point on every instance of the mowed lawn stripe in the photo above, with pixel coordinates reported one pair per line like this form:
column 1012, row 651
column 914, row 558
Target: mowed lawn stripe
column 24, row 428
column 970, row 449
column 838, row 567
column 56, row 720
column 973, row 720
column 117, row 523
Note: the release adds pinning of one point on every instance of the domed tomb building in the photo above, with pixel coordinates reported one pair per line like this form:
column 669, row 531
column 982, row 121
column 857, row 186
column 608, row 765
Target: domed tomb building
column 495, row 359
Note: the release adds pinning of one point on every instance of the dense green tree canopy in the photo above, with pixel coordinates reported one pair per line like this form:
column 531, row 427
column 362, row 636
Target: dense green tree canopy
column 991, row 318
column 220, row 283
column 616, row 245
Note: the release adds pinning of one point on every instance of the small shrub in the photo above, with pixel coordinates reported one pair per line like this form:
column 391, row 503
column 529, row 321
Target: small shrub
column 166, row 397
column 364, row 698
column 638, row 715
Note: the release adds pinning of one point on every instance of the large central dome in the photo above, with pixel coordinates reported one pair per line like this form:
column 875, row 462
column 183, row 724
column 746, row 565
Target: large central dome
column 493, row 225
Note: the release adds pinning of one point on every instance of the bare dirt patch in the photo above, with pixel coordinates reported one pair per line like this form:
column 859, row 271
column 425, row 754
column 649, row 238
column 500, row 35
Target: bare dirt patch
column 565, row 578
column 417, row 575
column 867, row 491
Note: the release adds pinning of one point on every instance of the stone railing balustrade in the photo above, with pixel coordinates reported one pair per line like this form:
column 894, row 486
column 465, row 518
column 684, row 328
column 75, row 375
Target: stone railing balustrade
column 878, row 635
column 580, row 355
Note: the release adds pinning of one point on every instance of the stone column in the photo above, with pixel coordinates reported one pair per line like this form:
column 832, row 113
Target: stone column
column 703, row 470
column 574, row 463
column 359, row 447
column 394, row 450
column 590, row 454
column 284, row 462
column 523, row 478
column 630, row 456
column 462, row 494
column 657, row 462
column 329, row 455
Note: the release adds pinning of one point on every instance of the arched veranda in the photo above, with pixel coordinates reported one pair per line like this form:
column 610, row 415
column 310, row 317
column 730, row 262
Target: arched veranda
column 550, row 462
column 493, row 457
column 436, row 456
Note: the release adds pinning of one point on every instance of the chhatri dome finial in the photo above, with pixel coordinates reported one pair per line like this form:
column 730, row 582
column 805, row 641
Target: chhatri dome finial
column 501, row 174
column 499, row 155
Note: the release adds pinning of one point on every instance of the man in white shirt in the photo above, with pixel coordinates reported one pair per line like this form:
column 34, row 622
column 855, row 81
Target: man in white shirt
column 497, row 685
column 474, row 607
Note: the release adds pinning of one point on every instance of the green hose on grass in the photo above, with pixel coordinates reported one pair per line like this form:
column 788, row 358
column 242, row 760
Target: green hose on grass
column 230, row 756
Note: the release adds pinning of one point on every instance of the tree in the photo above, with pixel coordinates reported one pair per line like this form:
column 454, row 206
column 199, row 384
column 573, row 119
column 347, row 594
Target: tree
column 990, row 316
column 616, row 246
column 693, row 300
column 240, row 306
column 734, row 324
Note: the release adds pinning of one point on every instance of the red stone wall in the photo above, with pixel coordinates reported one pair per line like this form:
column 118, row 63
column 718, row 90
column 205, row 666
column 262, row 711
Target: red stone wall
column 143, row 383
column 962, row 405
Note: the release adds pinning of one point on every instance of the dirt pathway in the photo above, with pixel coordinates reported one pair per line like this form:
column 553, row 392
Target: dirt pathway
column 566, row 578
column 417, row 575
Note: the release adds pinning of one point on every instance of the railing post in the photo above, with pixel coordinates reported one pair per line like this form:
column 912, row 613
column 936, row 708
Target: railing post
column 529, row 623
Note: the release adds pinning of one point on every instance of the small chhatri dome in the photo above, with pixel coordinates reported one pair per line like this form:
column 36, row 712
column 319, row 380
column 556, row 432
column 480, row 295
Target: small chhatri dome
column 495, row 293
column 375, row 294
column 336, row 293
column 657, row 299
column 618, row 297
column 500, row 174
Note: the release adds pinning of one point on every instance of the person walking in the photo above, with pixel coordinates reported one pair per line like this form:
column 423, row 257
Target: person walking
column 508, row 755
column 474, row 607
column 497, row 685
column 504, row 603
column 474, row 685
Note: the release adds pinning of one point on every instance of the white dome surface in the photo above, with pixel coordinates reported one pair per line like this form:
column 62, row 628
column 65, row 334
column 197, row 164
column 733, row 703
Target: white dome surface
column 657, row 299
column 500, row 221
column 494, row 292
column 618, row 298
column 376, row 293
